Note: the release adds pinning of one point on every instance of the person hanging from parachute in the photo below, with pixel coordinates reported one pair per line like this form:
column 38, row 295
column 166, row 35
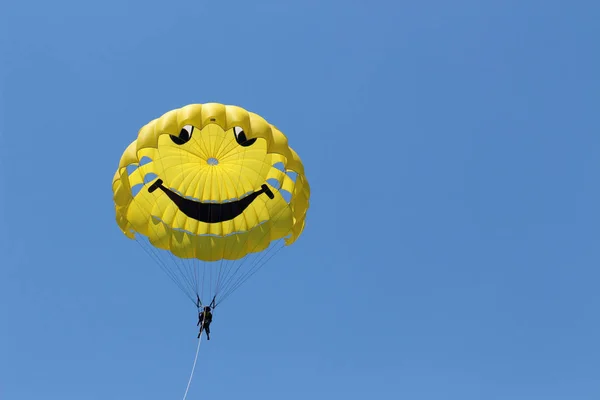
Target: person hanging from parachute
column 204, row 320
column 204, row 316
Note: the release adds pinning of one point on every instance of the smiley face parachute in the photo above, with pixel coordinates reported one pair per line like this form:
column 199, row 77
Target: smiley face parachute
column 211, row 192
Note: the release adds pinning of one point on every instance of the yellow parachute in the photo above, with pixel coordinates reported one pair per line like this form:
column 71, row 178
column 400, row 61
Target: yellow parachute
column 210, row 185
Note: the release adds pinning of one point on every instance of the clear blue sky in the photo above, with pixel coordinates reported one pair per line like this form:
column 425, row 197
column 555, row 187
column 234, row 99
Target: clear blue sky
column 452, row 245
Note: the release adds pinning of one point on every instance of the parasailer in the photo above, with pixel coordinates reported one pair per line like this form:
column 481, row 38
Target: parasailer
column 204, row 320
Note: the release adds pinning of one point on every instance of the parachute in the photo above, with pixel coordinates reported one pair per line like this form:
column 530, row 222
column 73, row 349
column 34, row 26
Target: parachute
column 211, row 192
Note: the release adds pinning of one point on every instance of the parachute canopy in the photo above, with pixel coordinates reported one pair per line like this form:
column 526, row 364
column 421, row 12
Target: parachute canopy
column 210, row 184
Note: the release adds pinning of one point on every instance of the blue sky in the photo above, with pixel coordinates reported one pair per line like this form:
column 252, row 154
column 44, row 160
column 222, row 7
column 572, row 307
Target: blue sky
column 451, row 248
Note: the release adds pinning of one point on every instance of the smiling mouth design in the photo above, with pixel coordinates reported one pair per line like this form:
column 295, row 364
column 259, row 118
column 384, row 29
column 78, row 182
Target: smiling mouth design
column 211, row 212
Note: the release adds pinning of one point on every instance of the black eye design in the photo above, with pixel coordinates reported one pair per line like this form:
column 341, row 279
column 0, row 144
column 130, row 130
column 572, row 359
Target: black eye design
column 184, row 135
column 240, row 137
